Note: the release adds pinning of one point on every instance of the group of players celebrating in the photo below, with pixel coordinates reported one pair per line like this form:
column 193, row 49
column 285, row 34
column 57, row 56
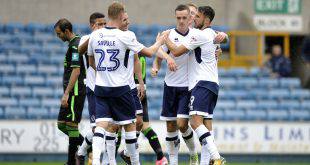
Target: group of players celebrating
column 110, row 58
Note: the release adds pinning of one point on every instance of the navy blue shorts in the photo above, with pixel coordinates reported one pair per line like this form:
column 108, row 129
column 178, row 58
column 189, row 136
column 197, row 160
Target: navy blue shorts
column 120, row 110
column 202, row 102
column 91, row 98
column 175, row 103
column 138, row 105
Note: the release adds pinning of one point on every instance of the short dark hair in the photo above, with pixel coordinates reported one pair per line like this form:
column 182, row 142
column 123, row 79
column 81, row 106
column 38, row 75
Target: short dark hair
column 181, row 8
column 63, row 24
column 94, row 16
column 207, row 11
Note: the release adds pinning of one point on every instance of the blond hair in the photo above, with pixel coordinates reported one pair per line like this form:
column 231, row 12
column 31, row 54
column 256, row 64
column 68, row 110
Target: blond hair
column 192, row 5
column 115, row 9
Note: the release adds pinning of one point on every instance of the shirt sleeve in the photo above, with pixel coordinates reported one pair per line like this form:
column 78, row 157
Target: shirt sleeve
column 83, row 39
column 75, row 57
column 130, row 40
column 197, row 39
column 90, row 51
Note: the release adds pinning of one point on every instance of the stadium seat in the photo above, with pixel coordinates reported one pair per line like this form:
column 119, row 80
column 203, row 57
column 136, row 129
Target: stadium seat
column 290, row 83
column 51, row 103
column 218, row 114
column 299, row 115
column 7, row 68
column 43, row 92
column 1, row 113
column 246, row 104
column 154, row 93
column 20, row 91
column 247, row 82
column 18, row 58
column 277, row 115
column 53, row 112
column 227, row 82
column 300, row 94
column 237, row 72
column 235, row 94
column 268, row 82
column 8, row 101
column 289, row 104
column 15, row 112
column 267, row 104
column 54, row 81
column 13, row 27
column 305, row 104
column 256, row 114
column 4, row 91
column 37, row 113
column 35, row 27
column 26, row 69
column 47, row 69
column 226, row 104
column 279, row 94
column 12, row 80
column 234, row 114
column 29, row 102
column 34, row 80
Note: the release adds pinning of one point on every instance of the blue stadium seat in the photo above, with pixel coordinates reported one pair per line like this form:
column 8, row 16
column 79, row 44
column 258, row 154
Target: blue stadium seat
column 226, row 104
column 267, row 104
column 54, row 80
column 290, row 83
column 20, row 91
column 222, row 72
column 237, row 72
column 235, row 94
column 7, row 68
column 305, row 104
column 234, row 114
column 4, row 91
column 256, row 114
column 246, row 104
column 43, row 91
column 13, row 27
column 228, row 82
column 10, row 47
column 18, row 58
column 247, row 82
column 268, row 82
column 279, row 94
column 50, row 103
column 289, row 104
column 299, row 115
column 15, row 112
column 218, row 114
column 47, row 69
column 35, row 27
column 300, row 94
column 12, row 80
column 55, row 58
column 3, row 58
column 37, row 113
column 53, row 112
column 34, row 80
column 5, row 38
column 277, row 115
column 154, row 93
column 1, row 113
column 8, row 101
column 29, row 102
column 58, row 92
column 26, row 69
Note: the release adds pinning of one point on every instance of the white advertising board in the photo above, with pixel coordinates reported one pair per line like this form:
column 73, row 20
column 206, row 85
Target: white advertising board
column 284, row 23
column 42, row 136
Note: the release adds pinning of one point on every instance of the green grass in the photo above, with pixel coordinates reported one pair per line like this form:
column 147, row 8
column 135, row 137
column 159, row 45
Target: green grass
column 60, row 163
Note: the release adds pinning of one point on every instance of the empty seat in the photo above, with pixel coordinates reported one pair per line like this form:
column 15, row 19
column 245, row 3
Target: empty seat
column 47, row 69
column 236, row 94
column 303, row 115
column 226, row 104
column 268, row 82
column 43, row 91
column 218, row 114
column 256, row 114
column 15, row 112
column 4, row 91
column 12, row 80
column 29, row 102
column 305, row 104
column 35, row 27
column 300, row 94
column 34, row 80
column 1, row 113
column 279, row 93
column 13, row 27
column 54, row 80
column 247, row 82
column 267, row 104
column 246, row 104
column 18, row 58
column 237, row 72
column 228, row 82
column 289, row 104
column 290, row 83
column 21, row 91
column 26, row 69
column 37, row 113
column 154, row 93
column 234, row 114
column 7, row 68
column 277, row 114
column 8, row 101
column 51, row 103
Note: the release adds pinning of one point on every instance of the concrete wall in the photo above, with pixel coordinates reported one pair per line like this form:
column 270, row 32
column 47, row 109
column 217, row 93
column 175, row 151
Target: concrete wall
column 235, row 13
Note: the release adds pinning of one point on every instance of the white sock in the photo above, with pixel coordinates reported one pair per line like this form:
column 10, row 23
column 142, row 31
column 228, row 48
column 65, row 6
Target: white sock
column 111, row 147
column 207, row 140
column 173, row 145
column 86, row 143
column 132, row 147
column 98, row 144
column 206, row 156
column 188, row 137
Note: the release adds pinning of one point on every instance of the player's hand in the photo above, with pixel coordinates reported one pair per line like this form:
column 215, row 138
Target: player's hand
column 171, row 64
column 218, row 53
column 154, row 72
column 141, row 91
column 64, row 100
column 220, row 37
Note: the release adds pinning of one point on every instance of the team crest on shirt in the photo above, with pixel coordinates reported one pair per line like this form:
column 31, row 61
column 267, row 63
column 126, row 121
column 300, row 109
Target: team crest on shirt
column 75, row 57
column 193, row 39
column 176, row 40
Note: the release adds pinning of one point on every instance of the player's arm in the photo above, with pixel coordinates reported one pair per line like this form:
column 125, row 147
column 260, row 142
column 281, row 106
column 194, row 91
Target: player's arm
column 170, row 61
column 138, row 73
column 91, row 61
column 83, row 47
column 90, row 53
column 175, row 50
column 221, row 37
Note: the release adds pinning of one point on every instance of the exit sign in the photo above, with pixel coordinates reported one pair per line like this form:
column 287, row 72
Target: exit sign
column 277, row 6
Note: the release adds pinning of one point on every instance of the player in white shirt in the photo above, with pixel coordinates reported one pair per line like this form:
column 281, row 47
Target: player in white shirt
column 114, row 102
column 175, row 110
column 203, row 78
column 96, row 21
